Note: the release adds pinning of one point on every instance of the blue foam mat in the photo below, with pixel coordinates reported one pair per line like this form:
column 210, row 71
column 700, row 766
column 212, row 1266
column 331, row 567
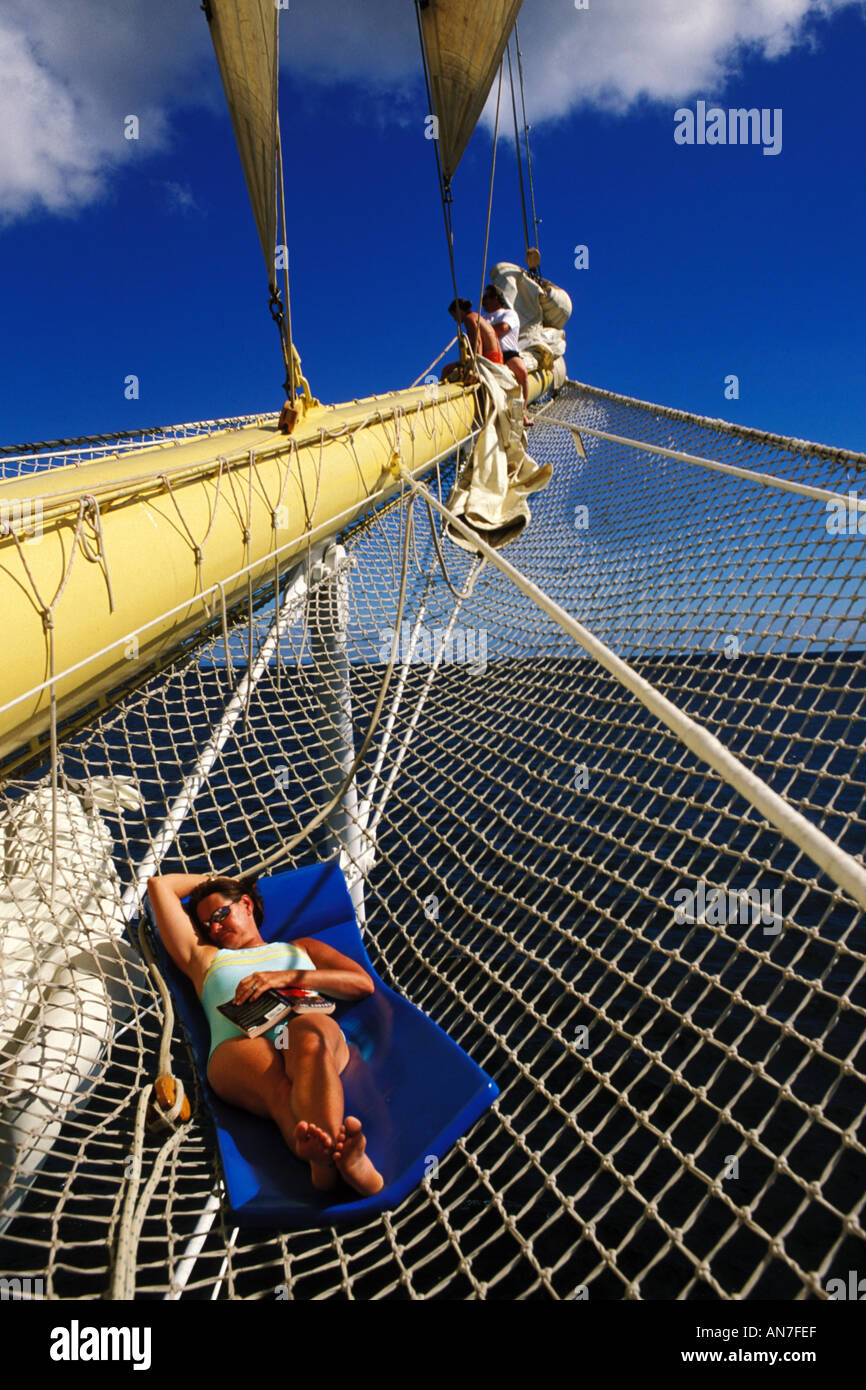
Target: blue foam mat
column 415, row 1090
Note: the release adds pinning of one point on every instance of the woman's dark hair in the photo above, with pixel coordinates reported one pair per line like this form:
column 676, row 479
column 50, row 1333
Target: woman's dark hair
column 233, row 889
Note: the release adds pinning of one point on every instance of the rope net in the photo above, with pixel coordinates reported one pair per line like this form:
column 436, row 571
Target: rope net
column 17, row 460
column 666, row 988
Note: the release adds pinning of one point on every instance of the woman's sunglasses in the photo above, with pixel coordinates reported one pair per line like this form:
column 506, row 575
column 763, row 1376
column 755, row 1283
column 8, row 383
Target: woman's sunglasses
column 219, row 916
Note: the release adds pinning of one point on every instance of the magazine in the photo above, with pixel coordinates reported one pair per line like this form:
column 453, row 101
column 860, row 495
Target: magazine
column 256, row 1016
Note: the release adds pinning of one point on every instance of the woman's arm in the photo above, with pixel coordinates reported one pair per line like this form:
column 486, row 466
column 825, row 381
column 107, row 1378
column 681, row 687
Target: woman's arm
column 177, row 931
column 335, row 975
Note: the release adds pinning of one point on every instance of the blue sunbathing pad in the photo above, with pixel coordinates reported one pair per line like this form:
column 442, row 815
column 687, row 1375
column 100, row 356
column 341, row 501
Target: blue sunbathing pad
column 415, row 1091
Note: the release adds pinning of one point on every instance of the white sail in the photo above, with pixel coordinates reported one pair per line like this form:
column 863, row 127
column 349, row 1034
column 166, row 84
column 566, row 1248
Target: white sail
column 464, row 46
column 245, row 38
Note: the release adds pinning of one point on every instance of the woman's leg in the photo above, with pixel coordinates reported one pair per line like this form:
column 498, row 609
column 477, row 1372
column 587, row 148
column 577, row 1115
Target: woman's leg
column 298, row 1087
column 517, row 366
column 315, row 1056
column 247, row 1072
column 314, row 1052
column 250, row 1073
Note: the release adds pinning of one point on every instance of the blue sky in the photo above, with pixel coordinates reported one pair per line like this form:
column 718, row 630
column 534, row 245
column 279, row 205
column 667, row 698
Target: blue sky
column 141, row 257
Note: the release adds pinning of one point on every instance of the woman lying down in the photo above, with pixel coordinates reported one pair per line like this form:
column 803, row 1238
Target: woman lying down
column 292, row 1072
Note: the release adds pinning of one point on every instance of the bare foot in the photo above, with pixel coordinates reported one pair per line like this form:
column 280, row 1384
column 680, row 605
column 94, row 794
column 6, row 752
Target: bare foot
column 316, row 1147
column 352, row 1161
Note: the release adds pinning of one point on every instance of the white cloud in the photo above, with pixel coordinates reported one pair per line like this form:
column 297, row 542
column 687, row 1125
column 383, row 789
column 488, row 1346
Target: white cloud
column 620, row 51
column 41, row 156
column 611, row 54
column 72, row 71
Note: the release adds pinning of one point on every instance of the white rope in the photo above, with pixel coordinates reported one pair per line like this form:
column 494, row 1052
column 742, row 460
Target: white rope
column 193, row 784
column 134, row 1212
column 819, row 494
column 707, row 422
column 842, row 868
column 639, row 1054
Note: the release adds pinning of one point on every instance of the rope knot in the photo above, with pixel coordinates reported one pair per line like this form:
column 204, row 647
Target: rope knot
column 168, row 1105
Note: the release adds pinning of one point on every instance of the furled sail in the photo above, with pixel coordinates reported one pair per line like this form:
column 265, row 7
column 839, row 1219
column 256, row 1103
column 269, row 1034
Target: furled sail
column 464, row 44
column 244, row 34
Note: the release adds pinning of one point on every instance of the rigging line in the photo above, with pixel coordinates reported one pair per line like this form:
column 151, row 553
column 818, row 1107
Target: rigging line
column 518, row 151
column 428, row 370
column 479, row 565
column 209, row 755
column 526, row 129
column 198, row 546
column 800, row 446
column 370, row 816
column 490, row 194
column 368, row 820
column 134, row 1213
column 286, row 848
column 751, row 475
column 290, row 382
column 280, row 312
column 346, row 517
column 81, row 441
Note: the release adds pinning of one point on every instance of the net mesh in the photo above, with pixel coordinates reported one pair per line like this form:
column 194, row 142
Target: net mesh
column 16, row 460
column 667, row 990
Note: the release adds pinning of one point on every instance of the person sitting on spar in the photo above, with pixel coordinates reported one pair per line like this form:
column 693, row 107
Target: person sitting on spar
column 506, row 325
column 480, row 334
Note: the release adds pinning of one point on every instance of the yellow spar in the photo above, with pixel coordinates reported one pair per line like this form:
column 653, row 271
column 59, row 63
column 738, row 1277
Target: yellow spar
column 125, row 545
